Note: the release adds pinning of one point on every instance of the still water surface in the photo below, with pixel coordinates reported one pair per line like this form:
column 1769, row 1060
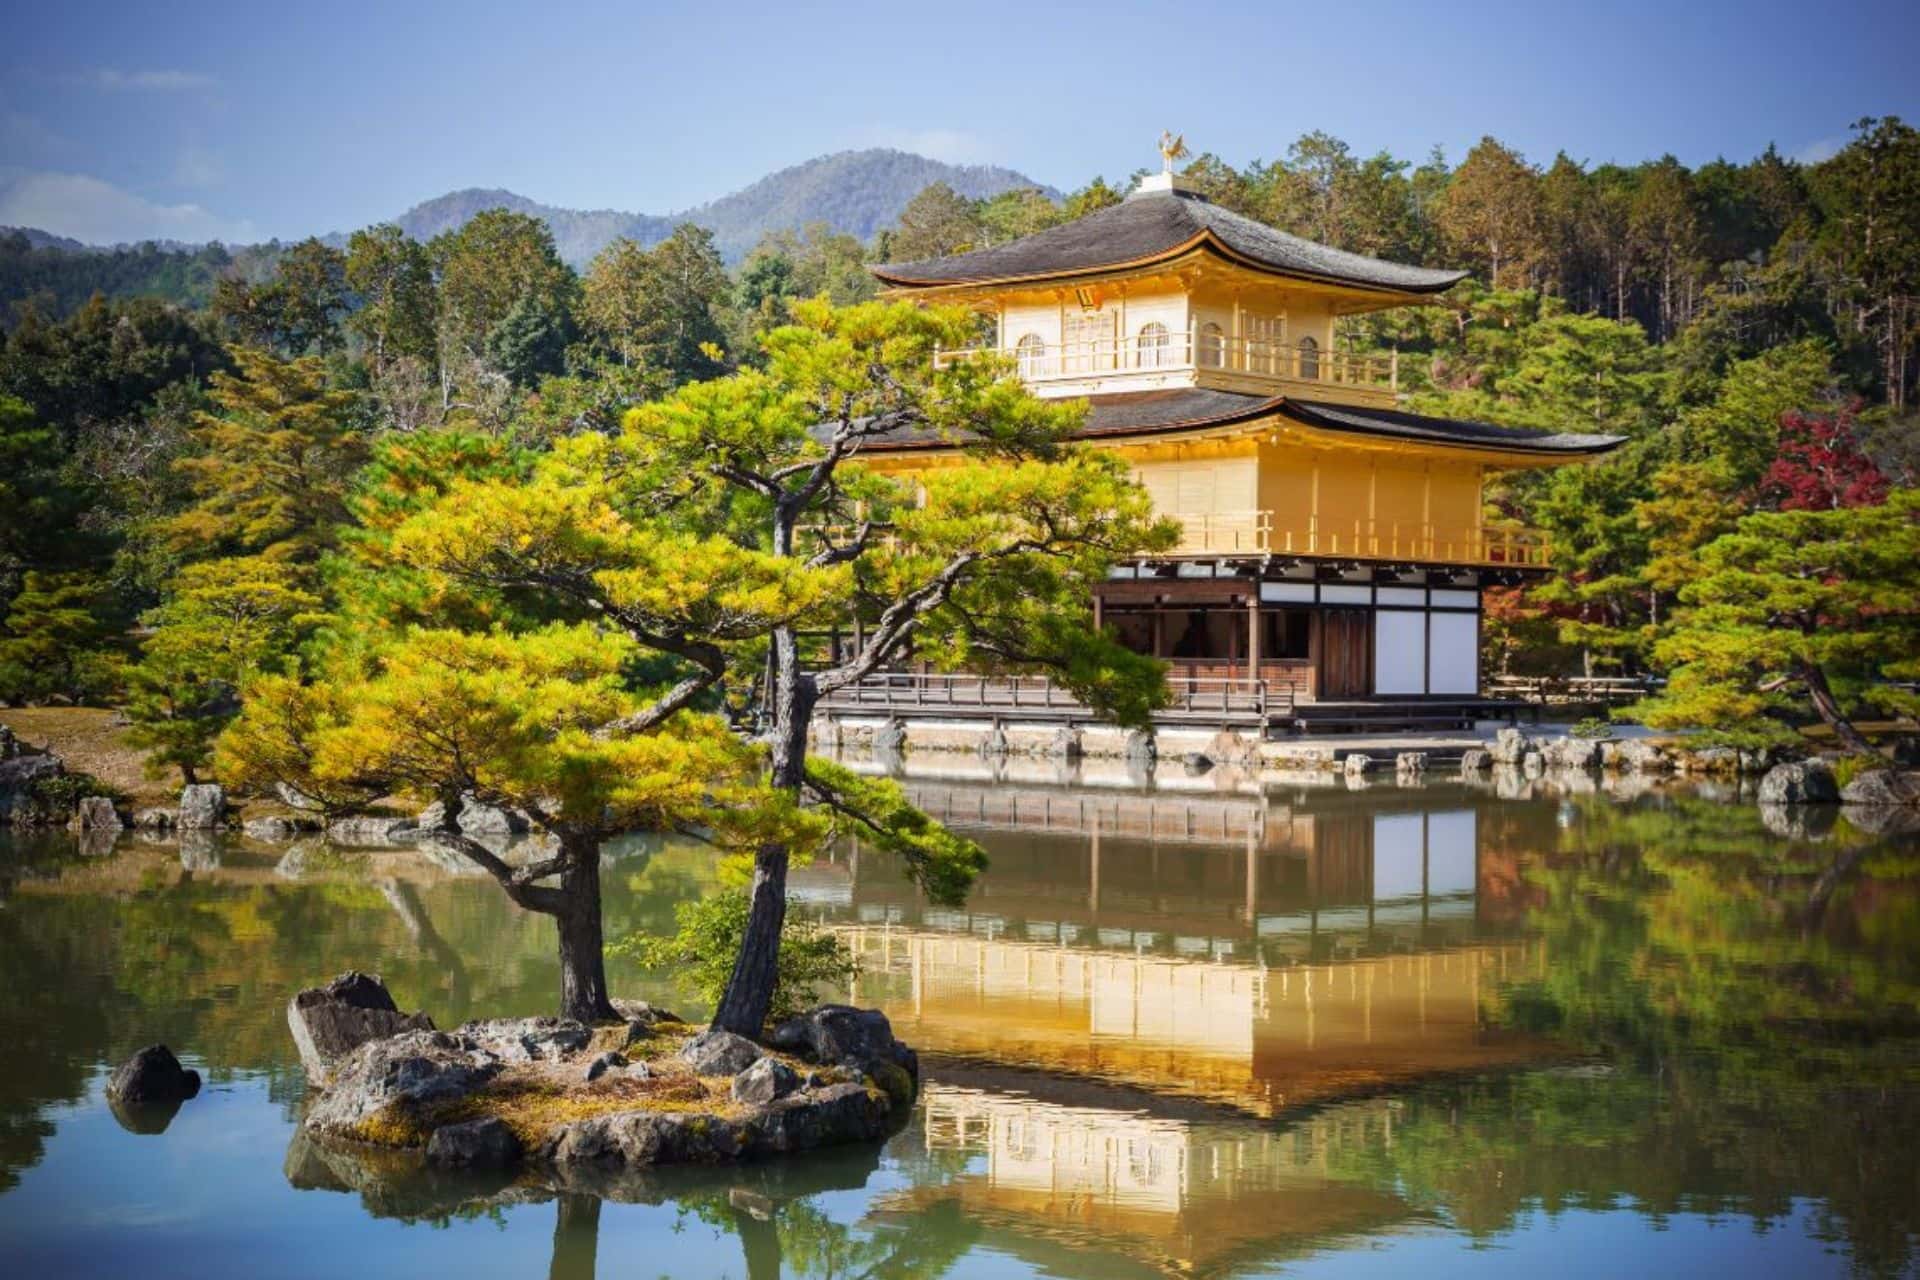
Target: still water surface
column 1179, row 1030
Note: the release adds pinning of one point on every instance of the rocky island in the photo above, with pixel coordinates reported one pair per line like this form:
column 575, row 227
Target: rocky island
column 578, row 1102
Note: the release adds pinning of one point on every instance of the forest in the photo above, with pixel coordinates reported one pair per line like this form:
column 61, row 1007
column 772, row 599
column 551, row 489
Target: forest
column 198, row 441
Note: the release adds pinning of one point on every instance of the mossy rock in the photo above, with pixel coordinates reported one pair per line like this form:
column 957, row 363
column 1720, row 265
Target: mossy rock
column 895, row 1082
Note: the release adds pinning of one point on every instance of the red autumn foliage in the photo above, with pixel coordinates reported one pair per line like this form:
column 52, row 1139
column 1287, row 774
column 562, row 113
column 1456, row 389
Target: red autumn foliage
column 1821, row 466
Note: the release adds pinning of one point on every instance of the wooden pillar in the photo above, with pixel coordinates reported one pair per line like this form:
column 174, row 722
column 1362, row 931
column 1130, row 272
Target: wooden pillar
column 1253, row 636
column 1096, row 611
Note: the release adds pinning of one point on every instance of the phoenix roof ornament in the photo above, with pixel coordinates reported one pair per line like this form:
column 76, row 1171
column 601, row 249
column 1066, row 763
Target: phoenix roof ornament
column 1173, row 146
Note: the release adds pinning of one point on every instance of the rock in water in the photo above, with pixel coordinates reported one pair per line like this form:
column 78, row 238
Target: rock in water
column 1884, row 788
column 203, row 807
column 1572, row 753
column 1637, row 755
column 95, row 813
column 1475, row 761
column 1356, row 765
column 152, row 1077
column 1802, row 782
column 389, row 1082
column 477, row 1144
column 842, row 1035
column 1410, row 763
column 765, row 1081
column 1510, row 746
column 20, row 802
column 720, row 1053
column 330, row 1022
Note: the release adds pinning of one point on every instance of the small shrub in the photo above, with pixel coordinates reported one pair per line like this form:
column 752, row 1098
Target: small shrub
column 1847, row 768
column 707, row 939
column 1593, row 727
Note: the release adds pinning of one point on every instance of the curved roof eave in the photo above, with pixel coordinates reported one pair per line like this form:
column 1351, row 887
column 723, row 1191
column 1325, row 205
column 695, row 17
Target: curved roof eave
column 1204, row 240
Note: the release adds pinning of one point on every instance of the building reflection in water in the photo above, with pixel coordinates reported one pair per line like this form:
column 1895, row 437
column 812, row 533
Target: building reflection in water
column 1182, row 1196
column 1263, row 953
column 1165, row 969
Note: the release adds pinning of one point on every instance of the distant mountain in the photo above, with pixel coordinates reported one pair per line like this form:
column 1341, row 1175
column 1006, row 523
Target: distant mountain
column 854, row 192
column 38, row 239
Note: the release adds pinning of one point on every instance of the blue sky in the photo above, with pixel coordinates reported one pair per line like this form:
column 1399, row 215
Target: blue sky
column 242, row 121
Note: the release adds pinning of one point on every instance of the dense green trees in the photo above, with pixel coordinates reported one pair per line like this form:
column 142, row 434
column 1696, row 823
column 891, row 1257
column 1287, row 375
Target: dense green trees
column 573, row 622
column 1749, row 325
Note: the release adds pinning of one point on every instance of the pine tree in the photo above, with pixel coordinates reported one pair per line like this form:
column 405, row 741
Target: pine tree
column 277, row 452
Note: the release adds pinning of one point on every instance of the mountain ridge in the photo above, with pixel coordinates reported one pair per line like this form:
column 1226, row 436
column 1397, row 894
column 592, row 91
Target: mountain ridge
column 854, row 192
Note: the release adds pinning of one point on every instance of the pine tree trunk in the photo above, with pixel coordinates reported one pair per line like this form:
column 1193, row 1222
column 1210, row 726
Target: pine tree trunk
column 1828, row 708
column 749, row 995
column 583, row 969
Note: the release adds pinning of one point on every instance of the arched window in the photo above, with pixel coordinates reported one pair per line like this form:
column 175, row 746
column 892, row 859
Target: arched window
column 1213, row 346
column 1154, row 345
column 1028, row 355
column 1309, row 359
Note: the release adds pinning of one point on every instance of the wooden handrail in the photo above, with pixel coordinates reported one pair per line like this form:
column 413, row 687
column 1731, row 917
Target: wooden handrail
column 907, row 691
column 1184, row 349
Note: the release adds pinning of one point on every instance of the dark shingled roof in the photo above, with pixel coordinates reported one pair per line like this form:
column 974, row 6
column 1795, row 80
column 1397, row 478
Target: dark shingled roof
column 1152, row 225
column 1148, row 413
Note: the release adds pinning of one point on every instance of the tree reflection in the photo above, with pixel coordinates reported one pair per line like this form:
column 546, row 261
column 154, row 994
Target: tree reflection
column 1759, row 1004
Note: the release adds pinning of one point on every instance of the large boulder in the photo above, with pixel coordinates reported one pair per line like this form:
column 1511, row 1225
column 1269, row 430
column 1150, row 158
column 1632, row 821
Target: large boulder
column 1718, row 761
column 1637, row 755
column 1883, row 789
column 152, row 1077
column 799, row 1121
column 489, row 1143
column 1475, row 760
column 528, row 1039
column 1510, row 746
column 95, row 813
column 767, row 1080
column 203, row 807
column 330, row 1022
column 720, row 1053
column 22, row 803
column 822, row 1117
column 1801, row 782
column 839, row 1034
column 381, row 1091
column 1571, row 753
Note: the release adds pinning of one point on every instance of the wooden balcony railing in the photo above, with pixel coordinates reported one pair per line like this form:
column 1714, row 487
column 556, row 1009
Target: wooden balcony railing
column 1185, row 350
column 1252, row 532
column 1039, row 698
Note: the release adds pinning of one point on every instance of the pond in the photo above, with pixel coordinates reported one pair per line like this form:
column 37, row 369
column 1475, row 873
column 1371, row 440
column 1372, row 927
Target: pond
column 1179, row 1029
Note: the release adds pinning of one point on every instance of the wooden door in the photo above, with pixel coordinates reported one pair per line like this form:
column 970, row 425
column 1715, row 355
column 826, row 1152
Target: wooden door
column 1346, row 659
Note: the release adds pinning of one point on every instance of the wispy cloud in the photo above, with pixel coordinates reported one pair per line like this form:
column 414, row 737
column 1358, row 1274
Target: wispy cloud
column 955, row 146
column 97, row 212
column 168, row 80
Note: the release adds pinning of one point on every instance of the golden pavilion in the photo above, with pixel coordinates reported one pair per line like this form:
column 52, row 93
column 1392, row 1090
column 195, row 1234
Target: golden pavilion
column 1335, row 546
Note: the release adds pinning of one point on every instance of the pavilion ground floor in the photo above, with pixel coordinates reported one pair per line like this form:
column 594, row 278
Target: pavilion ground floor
column 1289, row 646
